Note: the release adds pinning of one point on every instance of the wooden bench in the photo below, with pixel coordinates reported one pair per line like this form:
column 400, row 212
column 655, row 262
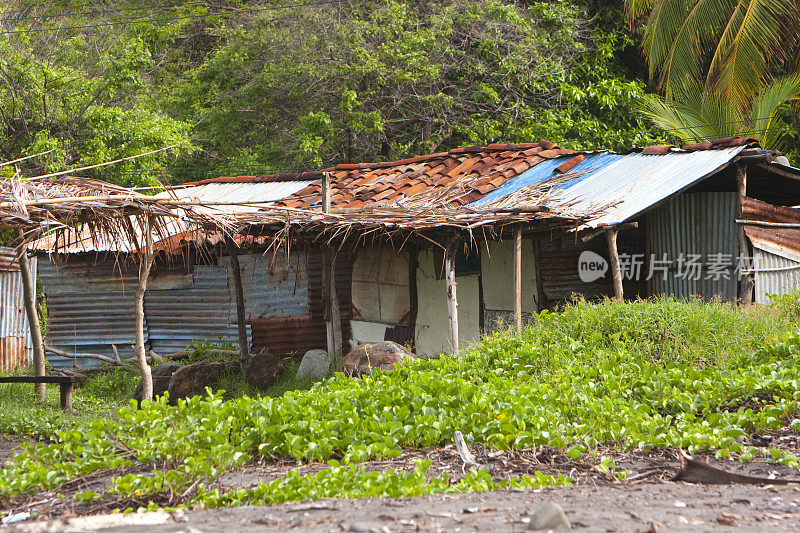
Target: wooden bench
column 64, row 382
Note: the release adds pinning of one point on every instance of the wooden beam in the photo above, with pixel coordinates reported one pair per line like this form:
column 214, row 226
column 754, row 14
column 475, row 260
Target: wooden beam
column 333, row 319
column 619, row 227
column 518, row 277
column 241, row 319
column 764, row 224
column 452, row 299
column 29, row 293
column 746, row 284
column 613, row 254
column 144, row 272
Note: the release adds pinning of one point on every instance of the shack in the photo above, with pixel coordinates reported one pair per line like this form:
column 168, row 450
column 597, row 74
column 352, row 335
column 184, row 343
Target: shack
column 438, row 250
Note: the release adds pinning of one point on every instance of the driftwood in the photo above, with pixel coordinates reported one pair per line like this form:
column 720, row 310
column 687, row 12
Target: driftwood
column 464, row 451
column 117, row 360
column 697, row 471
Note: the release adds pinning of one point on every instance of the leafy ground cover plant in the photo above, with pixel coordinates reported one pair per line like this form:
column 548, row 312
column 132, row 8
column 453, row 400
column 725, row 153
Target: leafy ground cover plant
column 638, row 375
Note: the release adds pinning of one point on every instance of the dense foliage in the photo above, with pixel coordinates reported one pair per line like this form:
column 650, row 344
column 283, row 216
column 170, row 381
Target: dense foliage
column 639, row 375
column 246, row 87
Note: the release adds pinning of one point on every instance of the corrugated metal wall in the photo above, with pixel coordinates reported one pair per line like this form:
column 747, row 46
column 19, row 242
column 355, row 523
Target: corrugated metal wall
column 15, row 334
column 200, row 310
column 90, row 306
column 702, row 224
column 774, row 274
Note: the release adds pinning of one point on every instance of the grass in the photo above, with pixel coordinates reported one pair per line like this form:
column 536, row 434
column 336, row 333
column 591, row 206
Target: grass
column 637, row 375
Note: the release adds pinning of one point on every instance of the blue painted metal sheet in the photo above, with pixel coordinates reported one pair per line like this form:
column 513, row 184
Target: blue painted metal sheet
column 90, row 306
column 199, row 312
column 622, row 186
column 545, row 170
column 273, row 286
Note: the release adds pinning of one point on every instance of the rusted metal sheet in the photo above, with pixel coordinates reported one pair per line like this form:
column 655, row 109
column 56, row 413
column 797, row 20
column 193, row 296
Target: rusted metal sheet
column 15, row 335
column 786, row 238
column 298, row 334
column 695, row 227
column 90, row 304
column 8, row 260
column 561, row 280
column 190, row 307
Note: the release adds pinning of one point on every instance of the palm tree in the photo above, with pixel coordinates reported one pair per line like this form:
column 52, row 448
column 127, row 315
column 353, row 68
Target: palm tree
column 719, row 61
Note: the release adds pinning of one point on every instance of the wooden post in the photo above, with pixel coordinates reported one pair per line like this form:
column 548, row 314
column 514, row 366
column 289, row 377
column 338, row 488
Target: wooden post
column 452, row 300
column 746, row 284
column 236, row 271
column 144, row 272
column 611, row 238
column 29, row 293
column 518, row 277
column 333, row 320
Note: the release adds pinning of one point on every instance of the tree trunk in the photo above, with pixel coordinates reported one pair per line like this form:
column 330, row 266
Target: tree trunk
column 29, row 292
column 244, row 352
column 518, row 277
column 611, row 238
column 452, row 300
column 746, row 284
column 144, row 272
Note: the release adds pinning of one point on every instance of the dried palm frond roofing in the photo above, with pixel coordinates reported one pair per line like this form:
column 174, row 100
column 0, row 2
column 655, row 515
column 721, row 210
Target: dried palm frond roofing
column 68, row 206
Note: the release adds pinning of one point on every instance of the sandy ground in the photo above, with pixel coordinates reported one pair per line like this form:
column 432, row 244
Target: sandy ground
column 661, row 506
column 647, row 502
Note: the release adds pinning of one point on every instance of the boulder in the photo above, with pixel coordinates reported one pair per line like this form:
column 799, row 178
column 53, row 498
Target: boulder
column 550, row 517
column 192, row 380
column 263, row 370
column 364, row 357
column 161, row 375
column 314, row 365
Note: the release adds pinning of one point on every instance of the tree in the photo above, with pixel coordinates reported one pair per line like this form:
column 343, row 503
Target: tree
column 719, row 59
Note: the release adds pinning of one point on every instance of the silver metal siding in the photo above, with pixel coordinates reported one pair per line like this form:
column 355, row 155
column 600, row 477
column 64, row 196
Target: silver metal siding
column 88, row 314
column 699, row 223
column 774, row 275
column 202, row 312
column 273, row 286
column 15, row 333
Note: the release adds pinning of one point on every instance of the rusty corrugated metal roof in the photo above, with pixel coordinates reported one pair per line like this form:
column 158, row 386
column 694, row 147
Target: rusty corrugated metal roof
column 775, row 240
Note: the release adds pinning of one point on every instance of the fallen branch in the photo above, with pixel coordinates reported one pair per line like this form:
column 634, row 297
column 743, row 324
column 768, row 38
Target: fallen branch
column 697, row 471
column 116, row 360
column 464, row 452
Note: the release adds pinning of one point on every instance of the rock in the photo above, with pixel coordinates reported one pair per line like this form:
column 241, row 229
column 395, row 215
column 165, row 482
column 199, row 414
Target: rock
column 364, row 357
column 550, row 517
column 363, row 527
column 263, row 370
column 314, row 365
column 161, row 375
column 192, row 380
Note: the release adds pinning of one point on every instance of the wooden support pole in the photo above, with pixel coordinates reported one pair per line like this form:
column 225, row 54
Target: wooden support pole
column 616, row 273
column 144, row 272
column 236, row 271
column 452, row 299
column 518, row 277
column 29, row 293
column 333, row 319
column 746, row 284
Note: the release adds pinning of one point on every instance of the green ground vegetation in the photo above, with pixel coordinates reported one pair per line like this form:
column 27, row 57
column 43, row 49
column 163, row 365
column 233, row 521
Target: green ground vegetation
column 639, row 375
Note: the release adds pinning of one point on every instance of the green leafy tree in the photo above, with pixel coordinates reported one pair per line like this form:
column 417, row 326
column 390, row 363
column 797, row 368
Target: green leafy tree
column 721, row 61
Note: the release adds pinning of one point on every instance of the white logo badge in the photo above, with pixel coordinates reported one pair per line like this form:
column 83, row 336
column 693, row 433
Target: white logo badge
column 591, row 266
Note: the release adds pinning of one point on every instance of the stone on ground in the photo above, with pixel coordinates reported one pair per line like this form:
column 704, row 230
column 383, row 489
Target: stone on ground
column 314, row 365
column 385, row 355
column 192, row 380
column 263, row 370
column 162, row 373
column 550, row 517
